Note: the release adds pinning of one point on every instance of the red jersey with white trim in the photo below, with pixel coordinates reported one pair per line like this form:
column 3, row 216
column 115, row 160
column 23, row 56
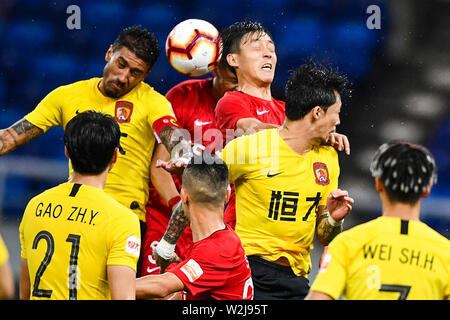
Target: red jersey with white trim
column 216, row 268
column 237, row 105
column 193, row 105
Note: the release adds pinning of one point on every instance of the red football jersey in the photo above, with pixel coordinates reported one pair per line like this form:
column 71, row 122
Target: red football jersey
column 216, row 268
column 237, row 105
column 193, row 105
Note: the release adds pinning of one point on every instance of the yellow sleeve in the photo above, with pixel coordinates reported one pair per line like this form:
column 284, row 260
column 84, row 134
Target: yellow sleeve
column 159, row 107
column 332, row 274
column 4, row 255
column 48, row 113
column 236, row 156
column 124, row 240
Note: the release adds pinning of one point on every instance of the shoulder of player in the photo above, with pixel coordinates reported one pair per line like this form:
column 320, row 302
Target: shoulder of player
column 432, row 235
column 77, row 85
column 358, row 233
column 233, row 97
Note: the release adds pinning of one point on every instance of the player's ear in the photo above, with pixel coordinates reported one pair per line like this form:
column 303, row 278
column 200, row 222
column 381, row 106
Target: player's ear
column 428, row 191
column 185, row 198
column 232, row 59
column 109, row 53
column 378, row 185
column 114, row 157
column 66, row 152
column 227, row 197
column 317, row 112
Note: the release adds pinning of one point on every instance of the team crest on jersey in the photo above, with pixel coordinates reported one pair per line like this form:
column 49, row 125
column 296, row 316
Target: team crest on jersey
column 123, row 111
column 321, row 173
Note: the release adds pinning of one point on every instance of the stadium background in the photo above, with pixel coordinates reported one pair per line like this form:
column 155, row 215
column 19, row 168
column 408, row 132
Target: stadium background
column 400, row 75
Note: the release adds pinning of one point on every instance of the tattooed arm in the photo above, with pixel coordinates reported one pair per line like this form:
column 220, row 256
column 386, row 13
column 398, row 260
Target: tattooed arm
column 329, row 221
column 164, row 251
column 179, row 146
column 325, row 232
column 16, row 135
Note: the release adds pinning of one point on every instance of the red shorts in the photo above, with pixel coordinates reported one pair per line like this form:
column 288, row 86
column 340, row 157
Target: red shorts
column 156, row 227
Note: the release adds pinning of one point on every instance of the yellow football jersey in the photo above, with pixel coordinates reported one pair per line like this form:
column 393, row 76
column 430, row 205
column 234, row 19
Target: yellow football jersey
column 277, row 195
column 135, row 112
column 387, row 259
column 4, row 255
column 69, row 234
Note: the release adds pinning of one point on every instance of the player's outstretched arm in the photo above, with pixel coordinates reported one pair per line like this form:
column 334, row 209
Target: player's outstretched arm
column 16, row 135
column 161, row 179
column 330, row 217
column 158, row 286
column 122, row 281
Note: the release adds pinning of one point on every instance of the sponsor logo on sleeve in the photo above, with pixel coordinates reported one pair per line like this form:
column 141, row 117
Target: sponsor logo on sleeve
column 192, row 270
column 133, row 246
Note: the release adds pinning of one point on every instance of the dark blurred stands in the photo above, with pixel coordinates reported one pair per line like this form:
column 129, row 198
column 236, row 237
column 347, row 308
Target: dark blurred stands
column 392, row 96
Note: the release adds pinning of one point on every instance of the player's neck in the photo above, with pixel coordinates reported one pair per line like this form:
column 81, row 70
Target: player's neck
column 298, row 135
column 204, row 221
column 402, row 210
column 96, row 181
column 259, row 91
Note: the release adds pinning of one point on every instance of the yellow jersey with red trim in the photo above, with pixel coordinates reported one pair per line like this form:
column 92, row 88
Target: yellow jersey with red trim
column 136, row 112
column 386, row 259
column 4, row 254
column 69, row 234
column 277, row 195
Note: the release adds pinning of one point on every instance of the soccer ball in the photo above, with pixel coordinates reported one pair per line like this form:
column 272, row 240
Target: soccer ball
column 193, row 47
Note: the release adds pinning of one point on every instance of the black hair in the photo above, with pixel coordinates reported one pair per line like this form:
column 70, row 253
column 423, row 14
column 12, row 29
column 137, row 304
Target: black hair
column 206, row 179
column 91, row 138
column 311, row 85
column 406, row 170
column 232, row 36
column 141, row 42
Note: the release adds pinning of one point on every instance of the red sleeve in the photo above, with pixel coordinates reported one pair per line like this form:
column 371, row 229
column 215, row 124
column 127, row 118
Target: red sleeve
column 177, row 98
column 199, row 272
column 166, row 121
column 230, row 108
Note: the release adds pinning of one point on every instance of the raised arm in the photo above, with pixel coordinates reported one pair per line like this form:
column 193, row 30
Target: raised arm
column 329, row 217
column 161, row 179
column 16, row 135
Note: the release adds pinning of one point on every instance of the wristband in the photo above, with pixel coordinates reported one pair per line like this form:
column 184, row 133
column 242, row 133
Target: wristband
column 173, row 201
column 333, row 222
column 164, row 249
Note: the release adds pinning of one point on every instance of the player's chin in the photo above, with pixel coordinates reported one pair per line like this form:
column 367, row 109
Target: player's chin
column 113, row 92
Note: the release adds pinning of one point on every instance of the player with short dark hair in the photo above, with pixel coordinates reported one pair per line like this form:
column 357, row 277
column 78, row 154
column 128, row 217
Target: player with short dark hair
column 286, row 191
column 143, row 114
column 193, row 102
column 395, row 256
column 78, row 242
column 215, row 267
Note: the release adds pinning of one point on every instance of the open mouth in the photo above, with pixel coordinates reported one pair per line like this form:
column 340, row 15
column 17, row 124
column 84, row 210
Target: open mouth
column 267, row 66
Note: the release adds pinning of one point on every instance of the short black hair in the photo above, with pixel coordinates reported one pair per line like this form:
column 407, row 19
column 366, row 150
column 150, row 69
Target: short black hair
column 91, row 138
column 232, row 36
column 141, row 42
column 313, row 84
column 206, row 179
column 405, row 169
